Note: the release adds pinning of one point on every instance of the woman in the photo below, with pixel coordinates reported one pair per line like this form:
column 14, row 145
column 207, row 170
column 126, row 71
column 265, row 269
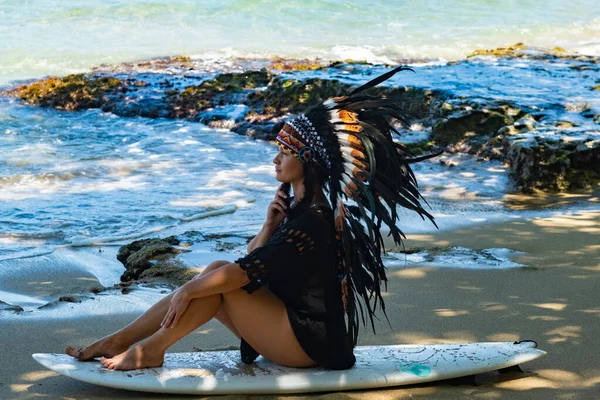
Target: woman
column 291, row 298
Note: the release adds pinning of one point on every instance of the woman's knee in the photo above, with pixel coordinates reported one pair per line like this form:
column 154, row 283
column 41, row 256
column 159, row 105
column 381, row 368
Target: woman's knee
column 212, row 266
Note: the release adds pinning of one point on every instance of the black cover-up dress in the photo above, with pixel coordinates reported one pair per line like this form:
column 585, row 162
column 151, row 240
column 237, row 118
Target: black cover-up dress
column 298, row 264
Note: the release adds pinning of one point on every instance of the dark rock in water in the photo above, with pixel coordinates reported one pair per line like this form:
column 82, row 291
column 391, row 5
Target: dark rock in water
column 224, row 89
column 540, row 164
column 127, row 250
column 72, row 92
column 136, row 106
column 259, row 130
column 292, row 96
column 64, row 299
column 520, row 50
column 297, row 65
column 141, row 255
column 70, row 299
column 284, row 96
column 10, row 308
column 96, row 289
column 472, row 126
column 173, row 272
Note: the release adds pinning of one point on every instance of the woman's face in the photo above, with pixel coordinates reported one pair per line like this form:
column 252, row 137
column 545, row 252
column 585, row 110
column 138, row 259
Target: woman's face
column 288, row 169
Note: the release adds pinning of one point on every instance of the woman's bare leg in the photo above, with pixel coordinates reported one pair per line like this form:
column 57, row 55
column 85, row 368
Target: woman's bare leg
column 260, row 317
column 150, row 352
column 262, row 320
column 144, row 326
column 221, row 314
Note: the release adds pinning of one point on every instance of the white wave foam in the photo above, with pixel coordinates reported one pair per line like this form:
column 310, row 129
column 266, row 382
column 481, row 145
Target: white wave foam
column 225, row 210
column 106, row 303
column 103, row 265
column 81, row 241
column 360, row 53
column 455, row 257
column 26, row 302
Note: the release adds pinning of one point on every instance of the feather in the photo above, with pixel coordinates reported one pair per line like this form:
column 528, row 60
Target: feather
column 342, row 116
column 379, row 79
column 350, row 153
column 358, row 173
column 371, row 169
column 353, row 143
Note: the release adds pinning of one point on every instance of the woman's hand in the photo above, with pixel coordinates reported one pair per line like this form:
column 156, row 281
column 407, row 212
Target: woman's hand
column 179, row 303
column 278, row 208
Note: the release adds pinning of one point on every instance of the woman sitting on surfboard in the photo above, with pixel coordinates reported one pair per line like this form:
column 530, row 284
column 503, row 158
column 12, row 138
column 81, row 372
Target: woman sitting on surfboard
column 293, row 298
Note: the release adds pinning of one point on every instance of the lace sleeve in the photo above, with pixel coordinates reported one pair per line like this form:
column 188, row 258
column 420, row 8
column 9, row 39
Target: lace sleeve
column 277, row 258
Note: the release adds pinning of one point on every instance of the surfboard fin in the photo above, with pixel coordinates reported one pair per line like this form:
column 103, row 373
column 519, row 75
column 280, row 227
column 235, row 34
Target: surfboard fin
column 513, row 368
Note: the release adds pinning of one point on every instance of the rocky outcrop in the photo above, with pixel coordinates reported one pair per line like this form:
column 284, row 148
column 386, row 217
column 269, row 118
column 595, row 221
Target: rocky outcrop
column 521, row 50
column 256, row 103
column 147, row 258
column 541, row 164
column 72, row 93
column 473, row 126
column 224, row 89
column 269, row 99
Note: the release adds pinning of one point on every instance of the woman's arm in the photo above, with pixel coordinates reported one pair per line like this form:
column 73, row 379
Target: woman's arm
column 224, row 279
column 263, row 237
column 275, row 215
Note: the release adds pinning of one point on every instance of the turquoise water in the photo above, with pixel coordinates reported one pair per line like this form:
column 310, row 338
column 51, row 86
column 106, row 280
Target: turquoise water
column 44, row 37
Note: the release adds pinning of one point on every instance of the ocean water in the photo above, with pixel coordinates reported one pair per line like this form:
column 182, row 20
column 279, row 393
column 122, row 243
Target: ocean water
column 91, row 178
column 75, row 186
column 47, row 37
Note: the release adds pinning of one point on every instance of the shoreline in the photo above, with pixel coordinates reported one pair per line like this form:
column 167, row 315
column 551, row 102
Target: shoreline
column 86, row 279
column 553, row 301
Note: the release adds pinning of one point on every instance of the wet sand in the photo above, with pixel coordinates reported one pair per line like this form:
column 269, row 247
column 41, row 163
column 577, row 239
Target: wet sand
column 554, row 300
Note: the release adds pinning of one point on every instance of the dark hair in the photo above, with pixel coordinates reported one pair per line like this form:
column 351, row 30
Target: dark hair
column 313, row 174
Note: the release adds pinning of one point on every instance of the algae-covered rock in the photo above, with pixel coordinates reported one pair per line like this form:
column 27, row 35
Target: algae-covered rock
column 72, row 92
column 510, row 51
column 224, row 89
column 291, row 96
column 469, row 125
column 539, row 164
column 171, row 271
column 266, row 129
column 521, row 50
column 282, row 64
column 421, row 147
column 141, row 255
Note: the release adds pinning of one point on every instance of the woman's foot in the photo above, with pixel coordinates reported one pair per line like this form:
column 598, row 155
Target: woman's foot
column 105, row 347
column 136, row 357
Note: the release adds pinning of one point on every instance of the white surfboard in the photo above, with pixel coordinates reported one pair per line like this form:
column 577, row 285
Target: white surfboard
column 222, row 372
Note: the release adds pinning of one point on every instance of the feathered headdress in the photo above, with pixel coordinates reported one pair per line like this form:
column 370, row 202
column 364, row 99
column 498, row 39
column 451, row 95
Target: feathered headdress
column 369, row 175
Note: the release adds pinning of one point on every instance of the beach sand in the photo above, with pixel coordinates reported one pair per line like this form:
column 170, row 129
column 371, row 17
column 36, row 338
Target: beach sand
column 554, row 300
